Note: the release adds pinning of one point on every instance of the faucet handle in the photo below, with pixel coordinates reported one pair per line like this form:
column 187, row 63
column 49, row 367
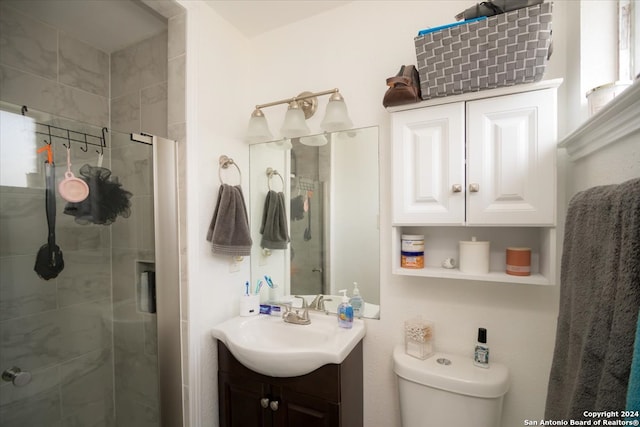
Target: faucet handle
column 321, row 306
column 287, row 308
column 305, row 313
column 304, row 301
column 315, row 304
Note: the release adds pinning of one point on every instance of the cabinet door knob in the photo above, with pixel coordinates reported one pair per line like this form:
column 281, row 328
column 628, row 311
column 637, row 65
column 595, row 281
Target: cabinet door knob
column 274, row 405
column 456, row 188
column 264, row 402
column 474, row 188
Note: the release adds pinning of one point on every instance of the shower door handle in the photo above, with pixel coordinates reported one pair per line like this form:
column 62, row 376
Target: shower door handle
column 17, row 376
column 316, row 270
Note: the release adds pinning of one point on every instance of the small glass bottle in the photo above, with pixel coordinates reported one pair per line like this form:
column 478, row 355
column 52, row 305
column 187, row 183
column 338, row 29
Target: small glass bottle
column 481, row 353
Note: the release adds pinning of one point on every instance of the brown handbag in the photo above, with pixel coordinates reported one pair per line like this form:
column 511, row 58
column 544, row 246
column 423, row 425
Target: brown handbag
column 404, row 87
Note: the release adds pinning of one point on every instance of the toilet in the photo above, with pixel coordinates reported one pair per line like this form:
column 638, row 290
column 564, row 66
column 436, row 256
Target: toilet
column 448, row 390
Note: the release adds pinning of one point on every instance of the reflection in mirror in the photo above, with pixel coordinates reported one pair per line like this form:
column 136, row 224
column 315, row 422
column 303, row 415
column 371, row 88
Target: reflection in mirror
column 330, row 184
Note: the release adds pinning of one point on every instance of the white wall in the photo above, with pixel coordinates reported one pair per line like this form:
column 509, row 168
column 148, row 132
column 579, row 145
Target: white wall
column 217, row 73
column 355, row 48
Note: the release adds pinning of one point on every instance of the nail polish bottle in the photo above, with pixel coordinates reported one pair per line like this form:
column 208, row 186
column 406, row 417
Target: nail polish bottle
column 481, row 353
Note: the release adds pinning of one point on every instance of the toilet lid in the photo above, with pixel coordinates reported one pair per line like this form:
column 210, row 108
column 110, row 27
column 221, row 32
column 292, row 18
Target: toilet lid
column 459, row 376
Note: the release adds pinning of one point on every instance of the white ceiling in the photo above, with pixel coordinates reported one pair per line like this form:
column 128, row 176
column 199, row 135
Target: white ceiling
column 253, row 17
column 110, row 25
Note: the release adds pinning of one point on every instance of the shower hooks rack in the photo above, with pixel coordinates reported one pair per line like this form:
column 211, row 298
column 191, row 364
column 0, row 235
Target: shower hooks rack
column 68, row 135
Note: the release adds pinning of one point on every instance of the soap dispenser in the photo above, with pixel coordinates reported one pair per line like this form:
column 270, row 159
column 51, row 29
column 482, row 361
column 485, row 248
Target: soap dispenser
column 357, row 302
column 345, row 312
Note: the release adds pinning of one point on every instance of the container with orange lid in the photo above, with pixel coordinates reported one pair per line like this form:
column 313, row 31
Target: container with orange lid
column 412, row 251
column 519, row 261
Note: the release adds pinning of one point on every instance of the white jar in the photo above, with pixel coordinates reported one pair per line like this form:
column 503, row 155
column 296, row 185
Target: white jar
column 474, row 256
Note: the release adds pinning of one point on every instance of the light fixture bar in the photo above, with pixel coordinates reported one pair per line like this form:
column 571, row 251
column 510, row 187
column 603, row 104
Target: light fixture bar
column 297, row 98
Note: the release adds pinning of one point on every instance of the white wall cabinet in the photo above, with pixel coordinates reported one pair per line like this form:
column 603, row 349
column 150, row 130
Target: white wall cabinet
column 483, row 162
column 485, row 159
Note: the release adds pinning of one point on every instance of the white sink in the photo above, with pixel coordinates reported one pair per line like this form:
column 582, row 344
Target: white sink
column 268, row 345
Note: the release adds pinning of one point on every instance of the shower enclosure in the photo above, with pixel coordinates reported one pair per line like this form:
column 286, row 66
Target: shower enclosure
column 86, row 339
column 86, row 348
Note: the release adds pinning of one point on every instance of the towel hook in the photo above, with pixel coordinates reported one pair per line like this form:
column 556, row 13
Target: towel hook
column 225, row 162
column 270, row 173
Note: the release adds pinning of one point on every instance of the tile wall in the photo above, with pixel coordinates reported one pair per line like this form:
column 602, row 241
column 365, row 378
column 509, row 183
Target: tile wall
column 139, row 104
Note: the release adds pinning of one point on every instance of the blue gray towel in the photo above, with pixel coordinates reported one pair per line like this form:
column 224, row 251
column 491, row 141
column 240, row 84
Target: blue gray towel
column 229, row 231
column 274, row 230
column 599, row 302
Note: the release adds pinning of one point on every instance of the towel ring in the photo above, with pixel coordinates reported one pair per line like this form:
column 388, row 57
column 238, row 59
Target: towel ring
column 225, row 162
column 270, row 173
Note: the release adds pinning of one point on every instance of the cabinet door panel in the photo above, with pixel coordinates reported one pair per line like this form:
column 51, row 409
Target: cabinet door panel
column 302, row 410
column 511, row 159
column 428, row 161
column 239, row 402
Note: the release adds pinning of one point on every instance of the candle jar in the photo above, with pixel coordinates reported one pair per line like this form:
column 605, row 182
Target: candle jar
column 418, row 338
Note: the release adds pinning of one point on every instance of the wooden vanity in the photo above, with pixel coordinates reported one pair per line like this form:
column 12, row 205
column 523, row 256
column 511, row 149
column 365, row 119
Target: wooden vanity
column 330, row 396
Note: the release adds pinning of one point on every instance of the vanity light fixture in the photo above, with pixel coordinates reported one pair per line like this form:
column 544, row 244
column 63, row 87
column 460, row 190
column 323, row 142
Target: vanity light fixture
column 300, row 109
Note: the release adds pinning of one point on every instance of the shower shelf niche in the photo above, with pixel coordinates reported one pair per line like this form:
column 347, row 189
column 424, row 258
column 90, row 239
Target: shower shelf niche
column 146, row 287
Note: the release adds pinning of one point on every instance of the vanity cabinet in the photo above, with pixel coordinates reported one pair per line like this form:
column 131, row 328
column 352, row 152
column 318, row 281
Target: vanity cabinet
column 483, row 164
column 330, row 396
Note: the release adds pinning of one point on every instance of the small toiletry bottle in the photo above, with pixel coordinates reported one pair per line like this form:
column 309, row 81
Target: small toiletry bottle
column 481, row 354
column 345, row 312
column 357, row 302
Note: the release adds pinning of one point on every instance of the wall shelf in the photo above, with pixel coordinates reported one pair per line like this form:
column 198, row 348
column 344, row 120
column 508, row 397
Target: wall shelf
column 492, row 276
column 442, row 242
column 616, row 121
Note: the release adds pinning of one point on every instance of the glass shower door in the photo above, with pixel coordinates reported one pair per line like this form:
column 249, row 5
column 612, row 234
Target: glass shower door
column 79, row 349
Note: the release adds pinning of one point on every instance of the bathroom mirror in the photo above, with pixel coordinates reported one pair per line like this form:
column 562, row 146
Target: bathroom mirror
column 330, row 184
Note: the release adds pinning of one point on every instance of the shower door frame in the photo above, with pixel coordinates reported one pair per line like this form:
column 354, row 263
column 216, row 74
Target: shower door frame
column 167, row 265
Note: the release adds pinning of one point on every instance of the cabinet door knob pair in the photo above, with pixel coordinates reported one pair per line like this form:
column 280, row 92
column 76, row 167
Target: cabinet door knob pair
column 473, row 188
column 266, row 403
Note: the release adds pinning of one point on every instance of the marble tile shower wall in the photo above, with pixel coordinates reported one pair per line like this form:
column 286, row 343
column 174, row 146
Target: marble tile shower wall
column 138, row 104
column 47, row 70
column 60, row 330
column 139, row 87
column 135, row 332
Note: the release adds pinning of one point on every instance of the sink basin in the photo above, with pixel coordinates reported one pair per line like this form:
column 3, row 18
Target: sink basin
column 269, row 346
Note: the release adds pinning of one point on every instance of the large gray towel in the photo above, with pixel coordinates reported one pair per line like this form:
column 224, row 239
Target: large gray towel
column 229, row 232
column 599, row 301
column 275, row 234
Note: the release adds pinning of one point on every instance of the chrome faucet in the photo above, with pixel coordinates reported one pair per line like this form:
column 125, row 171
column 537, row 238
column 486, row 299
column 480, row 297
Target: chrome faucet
column 290, row 317
column 318, row 303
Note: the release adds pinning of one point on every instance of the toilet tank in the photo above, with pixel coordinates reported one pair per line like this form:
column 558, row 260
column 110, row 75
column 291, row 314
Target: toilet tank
column 448, row 390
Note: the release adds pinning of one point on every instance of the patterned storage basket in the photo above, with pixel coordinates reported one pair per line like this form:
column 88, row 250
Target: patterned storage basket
column 502, row 50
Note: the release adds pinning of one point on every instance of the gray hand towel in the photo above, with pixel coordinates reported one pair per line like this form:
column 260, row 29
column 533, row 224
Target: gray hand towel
column 229, row 232
column 275, row 234
column 599, row 301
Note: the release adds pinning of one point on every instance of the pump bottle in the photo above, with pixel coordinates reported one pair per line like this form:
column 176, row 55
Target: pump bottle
column 357, row 302
column 345, row 312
